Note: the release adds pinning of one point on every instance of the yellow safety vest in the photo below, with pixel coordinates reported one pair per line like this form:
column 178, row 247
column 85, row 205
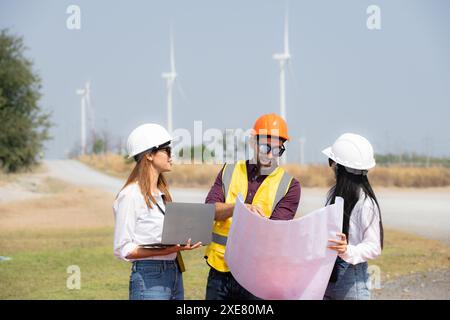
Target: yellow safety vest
column 235, row 181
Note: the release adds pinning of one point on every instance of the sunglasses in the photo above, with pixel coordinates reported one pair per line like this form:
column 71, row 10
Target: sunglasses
column 166, row 149
column 276, row 151
column 330, row 162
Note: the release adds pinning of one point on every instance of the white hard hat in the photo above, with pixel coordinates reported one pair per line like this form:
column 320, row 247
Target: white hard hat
column 145, row 137
column 352, row 151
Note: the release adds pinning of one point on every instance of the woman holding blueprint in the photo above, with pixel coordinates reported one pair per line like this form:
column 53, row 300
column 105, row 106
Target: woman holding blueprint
column 139, row 212
column 351, row 156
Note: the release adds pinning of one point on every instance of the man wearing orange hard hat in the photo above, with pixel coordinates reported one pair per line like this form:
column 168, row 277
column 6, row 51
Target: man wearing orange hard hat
column 268, row 191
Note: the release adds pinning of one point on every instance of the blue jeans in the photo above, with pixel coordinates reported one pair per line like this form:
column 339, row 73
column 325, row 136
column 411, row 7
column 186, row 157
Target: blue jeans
column 223, row 286
column 349, row 283
column 156, row 280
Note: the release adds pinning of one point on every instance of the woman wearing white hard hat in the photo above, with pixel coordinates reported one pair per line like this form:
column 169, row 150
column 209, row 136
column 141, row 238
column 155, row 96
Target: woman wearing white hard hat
column 350, row 157
column 139, row 212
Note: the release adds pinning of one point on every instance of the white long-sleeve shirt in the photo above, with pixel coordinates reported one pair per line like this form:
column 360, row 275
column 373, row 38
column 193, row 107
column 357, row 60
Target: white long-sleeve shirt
column 136, row 224
column 364, row 232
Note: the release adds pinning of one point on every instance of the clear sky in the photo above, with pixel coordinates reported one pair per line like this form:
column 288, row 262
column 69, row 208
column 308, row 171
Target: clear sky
column 390, row 85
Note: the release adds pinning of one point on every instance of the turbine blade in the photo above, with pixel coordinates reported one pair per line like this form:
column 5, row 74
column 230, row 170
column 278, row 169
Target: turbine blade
column 286, row 34
column 172, row 53
column 181, row 91
column 90, row 107
column 295, row 84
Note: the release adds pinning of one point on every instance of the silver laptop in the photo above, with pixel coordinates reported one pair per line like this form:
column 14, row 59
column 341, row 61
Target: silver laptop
column 183, row 221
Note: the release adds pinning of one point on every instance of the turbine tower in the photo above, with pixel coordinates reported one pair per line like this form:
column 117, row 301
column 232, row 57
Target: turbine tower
column 302, row 141
column 170, row 80
column 85, row 104
column 283, row 59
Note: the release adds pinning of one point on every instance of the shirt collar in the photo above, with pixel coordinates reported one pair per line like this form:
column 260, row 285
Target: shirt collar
column 159, row 193
column 253, row 169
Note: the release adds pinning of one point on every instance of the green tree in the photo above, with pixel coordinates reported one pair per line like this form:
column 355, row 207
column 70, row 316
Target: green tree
column 24, row 126
column 99, row 146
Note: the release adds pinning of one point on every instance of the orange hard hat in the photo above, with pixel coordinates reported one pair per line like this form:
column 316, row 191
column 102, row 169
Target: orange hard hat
column 271, row 125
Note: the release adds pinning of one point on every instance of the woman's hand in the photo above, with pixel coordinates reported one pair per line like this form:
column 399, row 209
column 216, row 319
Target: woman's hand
column 255, row 209
column 188, row 246
column 341, row 245
column 140, row 253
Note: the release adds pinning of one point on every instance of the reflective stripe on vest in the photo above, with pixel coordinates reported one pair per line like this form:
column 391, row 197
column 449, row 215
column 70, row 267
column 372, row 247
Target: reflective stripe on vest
column 217, row 238
column 269, row 193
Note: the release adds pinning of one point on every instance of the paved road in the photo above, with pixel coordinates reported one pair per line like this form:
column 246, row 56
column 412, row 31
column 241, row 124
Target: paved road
column 426, row 213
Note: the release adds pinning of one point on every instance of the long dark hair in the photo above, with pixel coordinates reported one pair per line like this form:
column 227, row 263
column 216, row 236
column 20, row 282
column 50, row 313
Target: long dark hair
column 349, row 186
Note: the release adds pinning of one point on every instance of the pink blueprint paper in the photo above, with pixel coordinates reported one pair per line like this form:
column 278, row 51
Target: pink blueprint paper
column 283, row 259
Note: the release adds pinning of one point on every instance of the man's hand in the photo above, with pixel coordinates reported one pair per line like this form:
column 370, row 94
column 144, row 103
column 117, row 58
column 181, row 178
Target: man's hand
column 255, row 209
column 223, row 211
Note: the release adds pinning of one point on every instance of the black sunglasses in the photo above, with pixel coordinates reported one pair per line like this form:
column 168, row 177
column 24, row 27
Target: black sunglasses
column 166, row 149
column 330, row 162
column 276, row 151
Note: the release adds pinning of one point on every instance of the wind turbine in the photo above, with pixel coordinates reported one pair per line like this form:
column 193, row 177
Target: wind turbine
column 283, row 59
column 85, row 103
column 170, row 80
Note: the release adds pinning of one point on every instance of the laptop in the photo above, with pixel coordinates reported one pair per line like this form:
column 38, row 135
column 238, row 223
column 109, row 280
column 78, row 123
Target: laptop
column 183, row 221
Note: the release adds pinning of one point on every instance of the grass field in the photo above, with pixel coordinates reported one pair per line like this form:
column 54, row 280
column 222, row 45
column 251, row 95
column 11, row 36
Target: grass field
column 40, row 260
column 71, row 225
column 6, row 178
column 184, row 175
column 38, row 269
